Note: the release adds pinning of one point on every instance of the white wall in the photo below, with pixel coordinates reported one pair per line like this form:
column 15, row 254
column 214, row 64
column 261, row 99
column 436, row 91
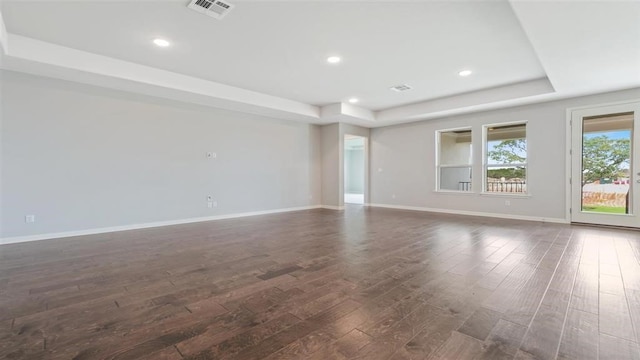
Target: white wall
column 331, row 172
column 81, row 157
column 354, row 174
column 405, row 154
column 4, row 37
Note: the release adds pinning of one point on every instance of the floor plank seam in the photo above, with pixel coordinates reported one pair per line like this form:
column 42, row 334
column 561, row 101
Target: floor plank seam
column 545, row 291
column 624, row 289
column 362, row 331
column 566, row 314
column 178, row 350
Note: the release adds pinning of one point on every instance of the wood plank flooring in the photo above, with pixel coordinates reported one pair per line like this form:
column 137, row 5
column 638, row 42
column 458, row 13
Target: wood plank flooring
column 366, row 283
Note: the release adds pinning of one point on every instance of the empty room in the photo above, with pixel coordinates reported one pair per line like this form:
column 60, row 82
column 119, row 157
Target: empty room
column 235, row 179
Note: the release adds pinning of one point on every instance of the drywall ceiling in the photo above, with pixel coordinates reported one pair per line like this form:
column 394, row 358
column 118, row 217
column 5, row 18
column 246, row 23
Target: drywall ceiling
column 269, row 57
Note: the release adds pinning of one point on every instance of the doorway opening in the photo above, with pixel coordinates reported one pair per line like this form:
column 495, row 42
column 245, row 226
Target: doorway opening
column 354, row 169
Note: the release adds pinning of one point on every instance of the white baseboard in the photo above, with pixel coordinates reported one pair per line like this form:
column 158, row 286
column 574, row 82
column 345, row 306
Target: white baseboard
column 331, row 207
column 473, row 213
column 19, row 239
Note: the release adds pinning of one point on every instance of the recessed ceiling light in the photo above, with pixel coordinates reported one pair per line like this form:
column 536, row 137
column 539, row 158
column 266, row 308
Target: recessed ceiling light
column 161, row 42
column 333, row 59
column 465, row 72
column 353, row 100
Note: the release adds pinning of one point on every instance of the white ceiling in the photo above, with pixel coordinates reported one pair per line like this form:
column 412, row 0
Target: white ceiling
column 269, row 57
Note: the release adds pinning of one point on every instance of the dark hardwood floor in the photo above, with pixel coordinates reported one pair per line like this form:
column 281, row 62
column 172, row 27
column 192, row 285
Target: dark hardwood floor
column 366, row 283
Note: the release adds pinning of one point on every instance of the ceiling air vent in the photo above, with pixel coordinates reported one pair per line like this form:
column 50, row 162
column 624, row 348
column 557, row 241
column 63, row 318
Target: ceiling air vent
column 214, row 8
column 401, row 88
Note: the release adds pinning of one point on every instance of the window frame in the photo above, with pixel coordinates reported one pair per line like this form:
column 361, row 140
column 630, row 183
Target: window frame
column 439, row 166
column 485, row 160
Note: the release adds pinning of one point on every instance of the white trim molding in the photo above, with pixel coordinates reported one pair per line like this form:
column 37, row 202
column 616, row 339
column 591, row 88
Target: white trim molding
column 331, row 207
column 20, row 239
column 568, row 158
column 473, row 213
column 47, row 59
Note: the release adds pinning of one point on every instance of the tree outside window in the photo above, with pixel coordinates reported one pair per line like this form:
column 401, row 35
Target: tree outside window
column 506, row 158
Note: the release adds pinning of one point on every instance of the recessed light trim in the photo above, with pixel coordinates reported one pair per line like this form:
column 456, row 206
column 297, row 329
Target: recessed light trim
column 334, row 59
column 161, row 42
column 354, row 100
column 465, row 73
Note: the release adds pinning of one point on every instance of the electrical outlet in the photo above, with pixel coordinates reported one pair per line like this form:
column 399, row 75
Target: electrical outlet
column 209, row 204
column 215, row 204
column 29, row 218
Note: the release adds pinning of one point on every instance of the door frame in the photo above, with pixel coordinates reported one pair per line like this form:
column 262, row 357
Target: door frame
column 569, row 146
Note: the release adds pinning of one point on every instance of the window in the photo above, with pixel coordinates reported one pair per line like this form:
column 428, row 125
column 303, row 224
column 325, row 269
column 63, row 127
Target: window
column 454, row 160
column 505, row 160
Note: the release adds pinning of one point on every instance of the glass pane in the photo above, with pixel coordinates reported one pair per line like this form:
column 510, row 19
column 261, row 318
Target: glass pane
column 455, row 147
column 606, row 160
column 507, row 144
column 455, row 178
column 507, row 179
